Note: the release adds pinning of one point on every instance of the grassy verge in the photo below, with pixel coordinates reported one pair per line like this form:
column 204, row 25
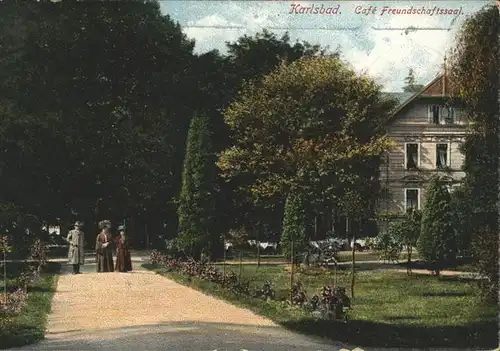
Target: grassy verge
column 461, row 265
column 390, row 309
column 29, row 326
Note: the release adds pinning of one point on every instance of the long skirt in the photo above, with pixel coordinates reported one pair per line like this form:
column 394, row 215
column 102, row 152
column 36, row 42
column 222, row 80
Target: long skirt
column 104, row 261
column 123, row 261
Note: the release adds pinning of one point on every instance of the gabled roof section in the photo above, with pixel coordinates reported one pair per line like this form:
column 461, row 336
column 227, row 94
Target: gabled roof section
column 401, row 98
column 438, row 87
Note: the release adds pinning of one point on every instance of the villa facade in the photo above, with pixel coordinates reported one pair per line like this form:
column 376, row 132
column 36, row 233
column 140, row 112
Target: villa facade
column 428, row 132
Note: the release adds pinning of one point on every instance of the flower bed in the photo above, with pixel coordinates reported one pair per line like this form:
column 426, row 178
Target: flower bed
column 331, row 303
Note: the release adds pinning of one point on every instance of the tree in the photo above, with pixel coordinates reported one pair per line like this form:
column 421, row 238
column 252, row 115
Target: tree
column 410, row 81
column 475, row 67
column 388, row 243
column 220, row 77
column 295, row 223
column 197, row 197
column 437, row 242
column 464, row 216
column 103, row 89
column 302, row 127
column 407, row 232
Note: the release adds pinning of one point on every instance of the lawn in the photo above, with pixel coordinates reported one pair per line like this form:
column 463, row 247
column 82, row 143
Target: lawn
column 29, row 326
column 390, row 309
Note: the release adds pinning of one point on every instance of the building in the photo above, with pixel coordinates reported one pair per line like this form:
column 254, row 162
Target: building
column 428, row 132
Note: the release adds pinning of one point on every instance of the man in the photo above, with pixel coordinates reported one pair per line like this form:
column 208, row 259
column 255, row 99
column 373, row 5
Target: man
column 76, row 254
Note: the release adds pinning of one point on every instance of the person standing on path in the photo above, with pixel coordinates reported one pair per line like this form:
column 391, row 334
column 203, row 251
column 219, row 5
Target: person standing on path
column 76, row 254
column 103, row 248
column 123, row 260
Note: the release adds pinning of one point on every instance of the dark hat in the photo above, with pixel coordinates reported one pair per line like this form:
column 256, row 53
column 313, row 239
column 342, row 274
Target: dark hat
column 120, row 228
column 104, row 225
column 78, row 224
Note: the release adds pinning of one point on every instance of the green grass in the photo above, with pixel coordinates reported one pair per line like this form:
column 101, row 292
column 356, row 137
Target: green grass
column 390, row 309
column 29, row 326
column 343, row 256
column 461, row 265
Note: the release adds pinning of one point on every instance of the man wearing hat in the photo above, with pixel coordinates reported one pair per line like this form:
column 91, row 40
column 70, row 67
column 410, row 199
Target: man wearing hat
column 76, row 254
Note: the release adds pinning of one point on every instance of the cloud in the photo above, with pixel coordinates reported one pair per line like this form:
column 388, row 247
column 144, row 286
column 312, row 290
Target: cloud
column 385, row 55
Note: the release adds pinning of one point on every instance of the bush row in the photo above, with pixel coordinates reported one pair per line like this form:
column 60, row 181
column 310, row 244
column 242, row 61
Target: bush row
column 332, row 302
column 14, row 297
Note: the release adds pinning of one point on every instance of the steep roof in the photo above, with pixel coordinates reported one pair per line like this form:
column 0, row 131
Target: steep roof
column 438, row 87
column 400, row 97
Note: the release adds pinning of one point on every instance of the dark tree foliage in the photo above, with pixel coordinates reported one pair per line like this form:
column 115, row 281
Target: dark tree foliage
column 220, row 78
column 475, row 67
column 198, row 196
column 410, row 83
column 437, row 243
column 295, row 226
column 96, row 98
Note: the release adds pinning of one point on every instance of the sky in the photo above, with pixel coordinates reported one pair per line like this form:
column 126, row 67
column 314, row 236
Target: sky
column 371, row 40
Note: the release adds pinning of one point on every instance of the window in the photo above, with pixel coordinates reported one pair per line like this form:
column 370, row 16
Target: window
column 442, row 156
column 412, row 198
column 411, row 156
column 434, row 113
column 448, row 115
column 439, row 114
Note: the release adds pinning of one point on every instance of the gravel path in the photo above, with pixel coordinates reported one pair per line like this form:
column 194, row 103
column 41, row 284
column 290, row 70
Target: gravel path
column 145, row 311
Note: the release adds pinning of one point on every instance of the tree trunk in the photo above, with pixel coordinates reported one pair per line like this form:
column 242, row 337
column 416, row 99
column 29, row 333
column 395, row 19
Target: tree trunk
column 408, row 268
column 353, row 269
column 498, row 126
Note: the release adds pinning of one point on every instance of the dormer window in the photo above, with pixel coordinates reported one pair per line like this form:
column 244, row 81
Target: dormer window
column 439, row 114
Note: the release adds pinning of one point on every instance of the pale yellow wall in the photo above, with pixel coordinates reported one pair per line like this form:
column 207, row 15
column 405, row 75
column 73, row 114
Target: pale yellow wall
column 412, row 126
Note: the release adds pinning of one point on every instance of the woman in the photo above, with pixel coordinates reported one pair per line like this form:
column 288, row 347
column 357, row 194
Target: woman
column 103, row 248
column 76, row 254
column 123, row 260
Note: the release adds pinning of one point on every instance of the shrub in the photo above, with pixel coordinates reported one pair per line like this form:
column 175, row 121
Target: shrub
column 299, row 296
column 212, row 274
column 266, row 292
column 294, row 226
column 230, row 279
column 437, row 243
column 39, row 253
column 14, row 304
column 155, row 257
column 387, row 244
column 407, row 232
column 334, row 303
column 25, row 278
column 486, row 261
column 241, row 287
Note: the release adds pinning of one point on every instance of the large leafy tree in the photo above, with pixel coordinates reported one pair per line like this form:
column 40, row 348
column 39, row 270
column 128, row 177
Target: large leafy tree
column 109, row 85
column 220, row 78
column 437, row 242
column 197, row 198
column 306, row 126
column 475, row 67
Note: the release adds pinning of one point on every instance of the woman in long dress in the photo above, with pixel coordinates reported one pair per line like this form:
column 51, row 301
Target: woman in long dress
column 104, row 248
column 123, row 260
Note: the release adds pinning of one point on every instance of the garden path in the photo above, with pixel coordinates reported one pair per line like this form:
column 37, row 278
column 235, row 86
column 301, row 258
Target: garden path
column 145, row 311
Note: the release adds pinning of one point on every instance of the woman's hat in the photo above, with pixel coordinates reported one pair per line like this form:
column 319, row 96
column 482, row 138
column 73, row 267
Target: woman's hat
column 120, row 228
column 106, row 224
column 78, row 224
